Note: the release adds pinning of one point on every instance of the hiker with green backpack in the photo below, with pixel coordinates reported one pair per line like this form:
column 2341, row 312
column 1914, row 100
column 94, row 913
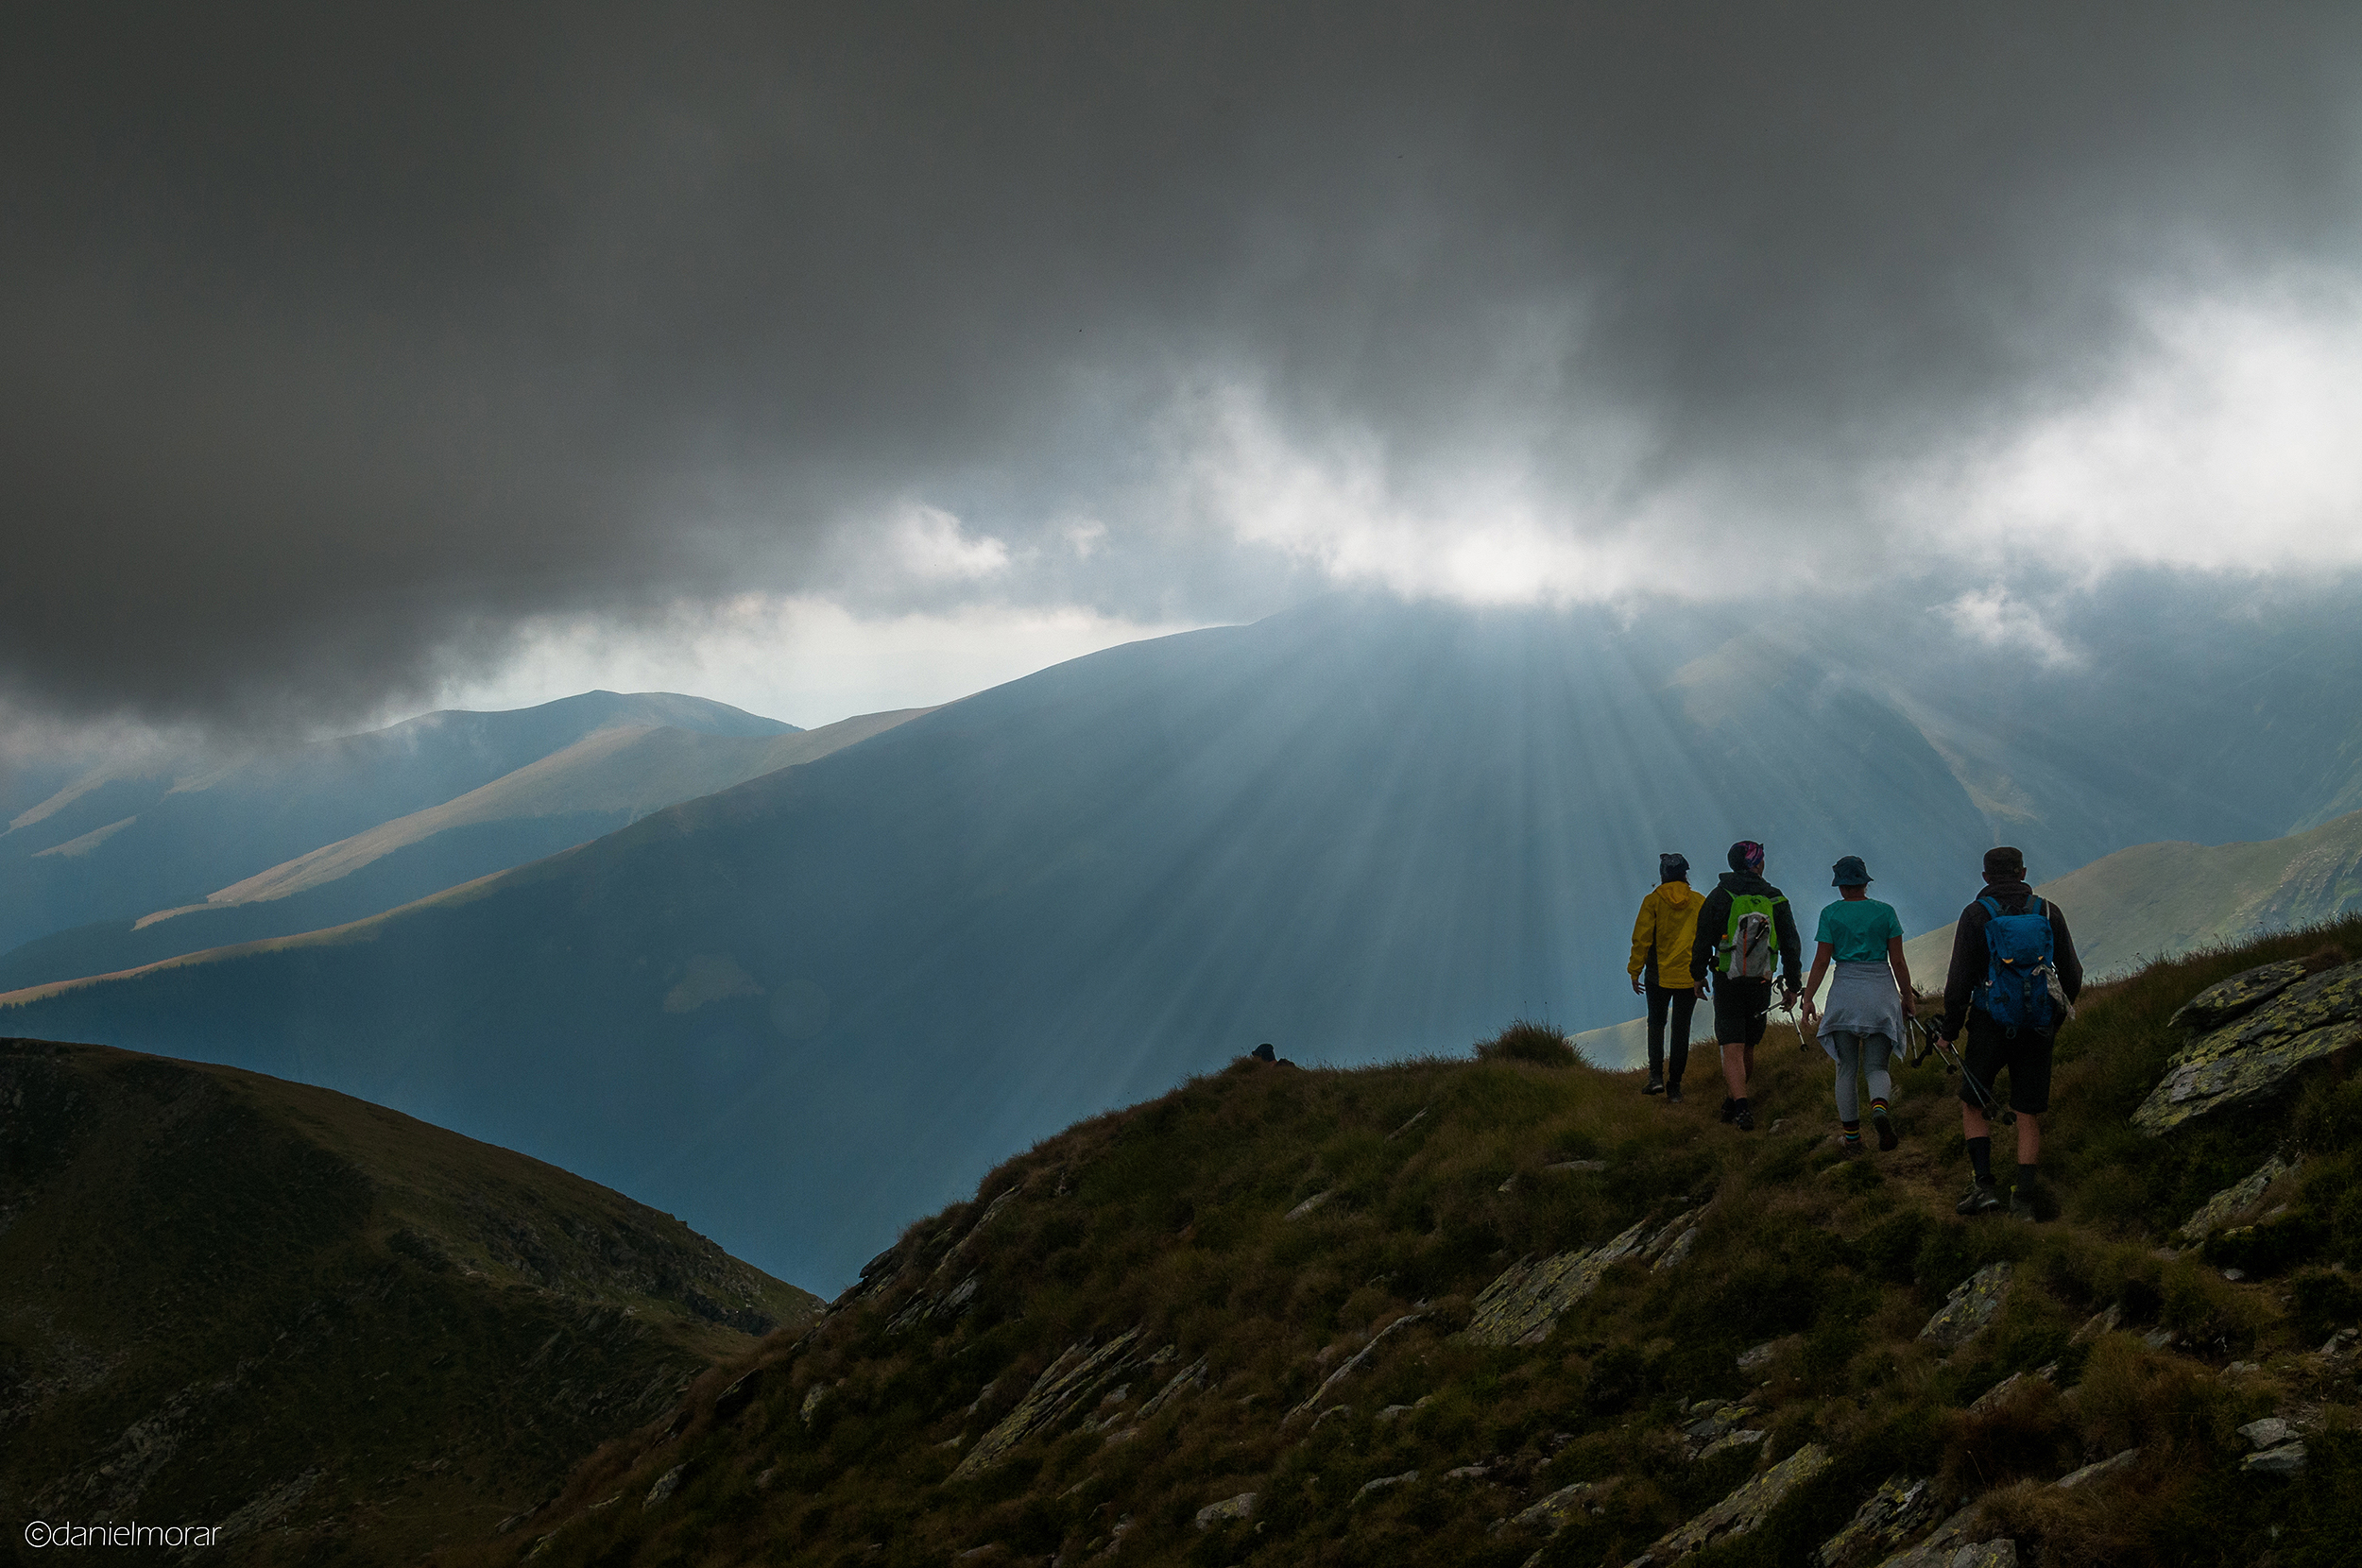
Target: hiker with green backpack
column 2013, row 982
column 1745, row 930
column 1864, row 1022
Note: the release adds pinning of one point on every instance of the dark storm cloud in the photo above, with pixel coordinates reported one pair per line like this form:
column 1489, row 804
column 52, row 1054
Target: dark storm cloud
column 335, row 343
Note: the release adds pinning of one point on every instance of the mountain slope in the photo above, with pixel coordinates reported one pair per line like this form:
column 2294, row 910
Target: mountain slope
column 841, row 990
column 120, row 843
column 1493, row 1313
column 319, row 1323
column 604, row 781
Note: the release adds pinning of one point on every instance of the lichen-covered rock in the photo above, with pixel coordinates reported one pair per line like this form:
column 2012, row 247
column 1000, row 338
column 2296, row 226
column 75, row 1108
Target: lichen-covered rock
column 1947, row 1541
column 1712, row 1422
column 1559, row 1509
column 1741, row 1512
column 2232, row 1201
column 2271, row 1432
column 2254, row 1055
column 1971, row 1305
column 1240, row 1506
column 2287, row 1460
column 1746, row 1436
column 1897, row 1510
column 1078, row 1372
column 2242, row 993
column 1525, row 1303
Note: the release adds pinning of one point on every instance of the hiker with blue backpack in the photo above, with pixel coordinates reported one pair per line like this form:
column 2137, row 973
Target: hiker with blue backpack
column 1745, row 930
column 1864, row 1023
column 2013, row 982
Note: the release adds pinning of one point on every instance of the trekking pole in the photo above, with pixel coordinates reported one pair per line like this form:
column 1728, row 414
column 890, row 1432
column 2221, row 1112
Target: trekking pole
column 1955, row 1061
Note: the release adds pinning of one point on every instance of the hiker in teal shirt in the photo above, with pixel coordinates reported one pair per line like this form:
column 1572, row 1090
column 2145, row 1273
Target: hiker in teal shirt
column 1868, row 1002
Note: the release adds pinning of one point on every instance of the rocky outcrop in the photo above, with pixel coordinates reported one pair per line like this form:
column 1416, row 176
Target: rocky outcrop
column 1973, row 1303
column 1715, row 1427
column 2090, row 1473
column 1526, row 1302
column 2242, row 993
column 1360, row 1357
column 2232, row 1201
column 2254, row 1054
column 1079, row 1372
column 1949, row 1546
column 1559, row 1509
column 1741, row 1512
column 1896, row 1511
column 1226, row 1512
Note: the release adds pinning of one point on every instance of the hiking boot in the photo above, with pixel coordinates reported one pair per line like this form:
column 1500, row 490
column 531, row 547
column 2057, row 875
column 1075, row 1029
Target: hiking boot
column 1673, row 1094
column 1885, row 1124
column 1730, row 1107
column 1654, row 1086
column 1850, row 1144
column 2026, row 1201
column 1743, row 1117
column 1983, row 1197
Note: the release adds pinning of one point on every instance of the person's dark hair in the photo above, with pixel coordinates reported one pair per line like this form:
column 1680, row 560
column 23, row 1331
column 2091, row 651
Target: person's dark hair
column 1746, row 855
column 2004, row 864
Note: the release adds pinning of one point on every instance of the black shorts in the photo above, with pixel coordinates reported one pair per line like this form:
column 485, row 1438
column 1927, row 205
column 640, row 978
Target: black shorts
column 1742, row 1008
column 1989, row 1050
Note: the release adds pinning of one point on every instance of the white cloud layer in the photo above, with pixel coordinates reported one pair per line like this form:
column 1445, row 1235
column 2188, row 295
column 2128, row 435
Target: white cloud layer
column 806, row 660
column 2231, row 443
column 2235, row 445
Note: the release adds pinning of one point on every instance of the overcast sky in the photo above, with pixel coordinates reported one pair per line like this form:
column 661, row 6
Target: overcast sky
column 822, row 358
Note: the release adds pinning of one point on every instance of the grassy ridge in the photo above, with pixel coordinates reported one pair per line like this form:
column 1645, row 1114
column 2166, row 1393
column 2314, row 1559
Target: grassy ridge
column 1174, row 1218
column 333, row 1330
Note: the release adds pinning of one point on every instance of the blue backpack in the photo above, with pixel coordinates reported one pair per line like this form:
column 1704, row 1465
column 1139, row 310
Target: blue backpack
column 2021, row 988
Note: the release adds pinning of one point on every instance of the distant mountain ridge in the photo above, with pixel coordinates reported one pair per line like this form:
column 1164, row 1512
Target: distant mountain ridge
column 608, row 779
column 1359, row 831
column 123, row 841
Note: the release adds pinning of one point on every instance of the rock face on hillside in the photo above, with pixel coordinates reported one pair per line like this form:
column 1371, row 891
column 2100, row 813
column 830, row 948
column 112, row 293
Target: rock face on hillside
column 323, row 1325
column 1524, row 1304
column 2271, row 1023
column 1741, row 1512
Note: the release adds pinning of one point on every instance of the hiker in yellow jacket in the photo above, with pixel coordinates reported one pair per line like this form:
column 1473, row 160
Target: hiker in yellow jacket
column 1661, row 941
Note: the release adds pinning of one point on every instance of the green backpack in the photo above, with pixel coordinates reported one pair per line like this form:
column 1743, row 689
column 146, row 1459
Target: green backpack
column 1750, row 946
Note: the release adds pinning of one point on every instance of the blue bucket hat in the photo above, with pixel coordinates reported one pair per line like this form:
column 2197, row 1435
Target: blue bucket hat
column 1848, row 872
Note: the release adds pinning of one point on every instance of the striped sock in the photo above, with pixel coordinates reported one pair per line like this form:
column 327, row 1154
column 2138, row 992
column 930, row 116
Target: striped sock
column 1877, row 1107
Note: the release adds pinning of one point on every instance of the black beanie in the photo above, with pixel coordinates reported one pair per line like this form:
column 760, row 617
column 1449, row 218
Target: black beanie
column 1746, row 855
column 1672, row 868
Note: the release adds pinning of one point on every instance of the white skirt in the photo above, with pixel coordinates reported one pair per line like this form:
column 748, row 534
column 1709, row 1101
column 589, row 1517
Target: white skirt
column 1862, row 1000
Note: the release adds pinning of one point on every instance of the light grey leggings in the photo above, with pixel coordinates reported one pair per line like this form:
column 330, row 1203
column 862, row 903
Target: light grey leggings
column 1856, row 1053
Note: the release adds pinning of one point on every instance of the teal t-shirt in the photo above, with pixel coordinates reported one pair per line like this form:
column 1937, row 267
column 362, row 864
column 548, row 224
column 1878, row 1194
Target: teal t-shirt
column 1858, row 930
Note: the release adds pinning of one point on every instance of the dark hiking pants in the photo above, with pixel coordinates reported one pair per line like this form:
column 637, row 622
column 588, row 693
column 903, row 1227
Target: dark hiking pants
column 1680, row 1004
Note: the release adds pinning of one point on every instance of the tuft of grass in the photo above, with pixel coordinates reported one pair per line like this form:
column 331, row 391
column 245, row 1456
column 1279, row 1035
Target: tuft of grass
column 1524, row 1040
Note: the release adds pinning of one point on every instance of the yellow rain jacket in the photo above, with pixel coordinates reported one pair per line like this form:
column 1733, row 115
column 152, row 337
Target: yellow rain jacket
column 1666, row 929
